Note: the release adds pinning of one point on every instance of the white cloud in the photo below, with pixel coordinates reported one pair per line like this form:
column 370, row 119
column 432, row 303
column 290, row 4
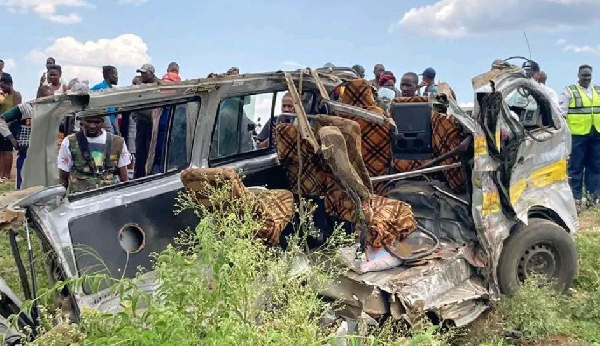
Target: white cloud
column 594, row 49
column 133, row 2
column 582, row 49
column 47, row 9
column 85, row 59
column 458, row 18
column 568, row 2
column 9, row 65
column 466, row 105
column 292, row 64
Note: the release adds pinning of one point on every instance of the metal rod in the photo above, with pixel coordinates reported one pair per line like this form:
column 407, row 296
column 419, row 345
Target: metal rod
column 405, row 175
column 449, row 195
column 338, row 107
column 35, row 311
column 20, row 266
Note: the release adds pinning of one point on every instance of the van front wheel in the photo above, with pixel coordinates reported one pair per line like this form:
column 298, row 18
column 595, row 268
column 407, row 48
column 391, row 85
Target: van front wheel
column 540, row 248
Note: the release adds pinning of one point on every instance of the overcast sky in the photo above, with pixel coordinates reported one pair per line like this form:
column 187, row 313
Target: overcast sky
column 459, row 38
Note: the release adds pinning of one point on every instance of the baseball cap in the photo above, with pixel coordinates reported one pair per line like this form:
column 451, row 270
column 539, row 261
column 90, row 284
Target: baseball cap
column 147, row 68
column 429, row 73
column 531, row 65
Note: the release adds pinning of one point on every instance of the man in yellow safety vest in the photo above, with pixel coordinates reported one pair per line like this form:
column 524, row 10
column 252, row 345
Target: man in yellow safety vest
column 581, row 105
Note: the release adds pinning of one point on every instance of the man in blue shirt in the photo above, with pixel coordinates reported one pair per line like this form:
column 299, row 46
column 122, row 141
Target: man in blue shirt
column 111, row 78
column 428, row 82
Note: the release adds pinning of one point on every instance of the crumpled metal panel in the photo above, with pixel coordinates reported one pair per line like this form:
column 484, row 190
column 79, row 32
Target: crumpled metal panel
column 541, row 179
column 445, row 285
column 464, row 313
column 549, row 189
column 467, row 290
column 425, row 292
column 108, row 301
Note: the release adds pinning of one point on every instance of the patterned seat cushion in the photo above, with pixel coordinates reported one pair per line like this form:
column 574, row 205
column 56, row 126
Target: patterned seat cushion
column 313, row 178
column 359, row 93
column 274, row 208
column 389, row 220
column 376, row 147
column 337, row 203
column 197, row 181
column 445, row 138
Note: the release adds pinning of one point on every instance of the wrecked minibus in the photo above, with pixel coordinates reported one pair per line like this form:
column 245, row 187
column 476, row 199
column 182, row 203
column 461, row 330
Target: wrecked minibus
column 462, row 207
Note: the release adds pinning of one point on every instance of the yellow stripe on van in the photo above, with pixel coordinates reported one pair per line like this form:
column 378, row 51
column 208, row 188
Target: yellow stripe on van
column 491, row 203
column 480, row 146
column 539, row 178
column 498, row 138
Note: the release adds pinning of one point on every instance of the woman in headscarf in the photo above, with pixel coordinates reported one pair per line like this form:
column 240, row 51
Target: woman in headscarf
column 388, row 80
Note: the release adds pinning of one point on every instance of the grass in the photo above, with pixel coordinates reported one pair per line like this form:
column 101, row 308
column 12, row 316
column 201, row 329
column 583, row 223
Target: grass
column 539, row 316
column 534, row 316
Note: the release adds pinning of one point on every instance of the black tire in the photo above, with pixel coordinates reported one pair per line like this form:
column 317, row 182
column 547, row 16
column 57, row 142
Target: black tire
column 544, row 243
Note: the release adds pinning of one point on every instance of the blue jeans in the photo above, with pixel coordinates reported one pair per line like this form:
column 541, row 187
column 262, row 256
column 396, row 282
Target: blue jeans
column 585, row 163
column 20, row 161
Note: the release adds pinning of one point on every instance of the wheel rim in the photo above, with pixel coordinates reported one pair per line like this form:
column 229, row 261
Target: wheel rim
column 539, row 259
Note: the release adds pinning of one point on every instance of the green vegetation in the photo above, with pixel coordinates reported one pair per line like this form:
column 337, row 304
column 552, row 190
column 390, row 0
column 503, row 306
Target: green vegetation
column 235, row 290
column 539, row 314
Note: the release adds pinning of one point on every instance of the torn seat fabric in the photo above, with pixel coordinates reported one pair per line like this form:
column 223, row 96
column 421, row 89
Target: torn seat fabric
column 274, row 208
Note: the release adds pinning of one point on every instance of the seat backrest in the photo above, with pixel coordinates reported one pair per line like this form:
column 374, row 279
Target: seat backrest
column 345, row 197
column 199, row 181
column 376, row 146
column 350, row 130
column 317, row 179
column 313, row 176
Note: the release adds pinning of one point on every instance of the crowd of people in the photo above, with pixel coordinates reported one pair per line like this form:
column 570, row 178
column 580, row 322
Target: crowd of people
column 578, row 103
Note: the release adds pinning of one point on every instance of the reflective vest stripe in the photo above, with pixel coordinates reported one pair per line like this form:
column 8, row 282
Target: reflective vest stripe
column 576, row 95
column 582, row 110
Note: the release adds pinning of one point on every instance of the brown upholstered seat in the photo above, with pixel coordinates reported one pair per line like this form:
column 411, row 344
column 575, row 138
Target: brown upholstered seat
column 376, row 146
column 313, row 178
column 340, row 170
column 275, row 208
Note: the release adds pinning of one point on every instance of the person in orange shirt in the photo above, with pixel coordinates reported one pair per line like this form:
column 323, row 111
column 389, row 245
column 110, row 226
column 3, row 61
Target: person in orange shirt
column 172, row 74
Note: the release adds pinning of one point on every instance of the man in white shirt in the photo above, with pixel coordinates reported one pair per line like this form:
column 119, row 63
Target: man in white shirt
column 92, row 158
column 581, row 104
column 541, row 77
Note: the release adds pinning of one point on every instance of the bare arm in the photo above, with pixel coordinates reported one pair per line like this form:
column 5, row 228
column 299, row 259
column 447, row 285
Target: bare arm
column 116, row 125
column 123, row 174
column 63, row 177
